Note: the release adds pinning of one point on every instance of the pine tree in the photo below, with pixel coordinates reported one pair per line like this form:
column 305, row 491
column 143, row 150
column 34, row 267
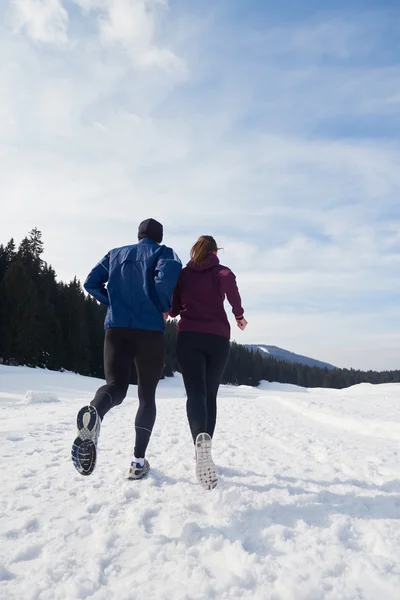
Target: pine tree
column 3, row 262
column 36, row 244
column 30, row 251
column 19, row 309
column 7, row 255
column 72, row 312
column 95, row 314
column 10, row 251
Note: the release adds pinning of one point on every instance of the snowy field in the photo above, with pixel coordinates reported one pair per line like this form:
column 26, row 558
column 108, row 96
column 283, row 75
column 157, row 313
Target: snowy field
column 307, row 506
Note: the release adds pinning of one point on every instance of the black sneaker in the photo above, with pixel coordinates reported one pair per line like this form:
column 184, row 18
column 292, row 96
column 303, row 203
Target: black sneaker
column 84, row 448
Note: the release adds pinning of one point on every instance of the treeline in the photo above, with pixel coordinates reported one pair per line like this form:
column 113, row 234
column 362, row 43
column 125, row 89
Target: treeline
column 249, row 367
column 45, row 323
column 55, row 325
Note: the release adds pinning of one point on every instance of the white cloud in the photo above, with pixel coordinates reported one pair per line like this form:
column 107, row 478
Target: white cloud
column 131, row 24
column 43, row 20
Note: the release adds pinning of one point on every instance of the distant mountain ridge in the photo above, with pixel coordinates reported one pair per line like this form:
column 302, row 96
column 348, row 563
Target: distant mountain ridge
column 291, row 357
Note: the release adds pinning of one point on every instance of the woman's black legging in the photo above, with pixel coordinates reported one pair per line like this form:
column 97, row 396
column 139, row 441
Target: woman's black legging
column 202, row 358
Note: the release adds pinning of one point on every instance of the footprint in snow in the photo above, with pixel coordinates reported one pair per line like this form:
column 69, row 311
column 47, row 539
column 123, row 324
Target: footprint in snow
column 196, row 508
column 29, row 527
column 94, row 508
column 20, row 487
column 29, row 553
column 22, row 508
column 147, row 520
column 5, row 574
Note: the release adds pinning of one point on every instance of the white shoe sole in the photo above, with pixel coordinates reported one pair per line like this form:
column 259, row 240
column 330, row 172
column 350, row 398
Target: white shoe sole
column 206, row 471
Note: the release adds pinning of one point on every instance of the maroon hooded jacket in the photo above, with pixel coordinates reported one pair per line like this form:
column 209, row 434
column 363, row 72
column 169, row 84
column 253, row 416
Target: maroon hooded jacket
column 199, row 297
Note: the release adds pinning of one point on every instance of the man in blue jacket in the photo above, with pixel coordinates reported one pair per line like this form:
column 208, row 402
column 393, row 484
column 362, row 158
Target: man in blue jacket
column 140, row 281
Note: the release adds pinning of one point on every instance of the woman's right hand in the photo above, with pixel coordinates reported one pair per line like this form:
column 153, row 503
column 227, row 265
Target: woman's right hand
column 242, row 324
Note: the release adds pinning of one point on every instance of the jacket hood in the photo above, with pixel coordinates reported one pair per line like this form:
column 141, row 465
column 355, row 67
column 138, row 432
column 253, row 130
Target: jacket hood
column 212, row 261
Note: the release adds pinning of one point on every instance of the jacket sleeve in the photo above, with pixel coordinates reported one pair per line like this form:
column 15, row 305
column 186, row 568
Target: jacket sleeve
column 96, row 280
column 176, row 302
column 166, row 275
column 229, row 288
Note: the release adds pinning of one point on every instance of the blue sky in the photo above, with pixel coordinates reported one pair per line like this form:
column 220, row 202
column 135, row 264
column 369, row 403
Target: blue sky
column 273, row 126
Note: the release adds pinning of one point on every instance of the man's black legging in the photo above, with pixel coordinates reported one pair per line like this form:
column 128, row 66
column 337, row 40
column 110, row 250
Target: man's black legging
column 122, row 348
column 202, row 358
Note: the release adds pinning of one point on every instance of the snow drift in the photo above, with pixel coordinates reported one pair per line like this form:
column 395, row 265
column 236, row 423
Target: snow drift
column 37, row 397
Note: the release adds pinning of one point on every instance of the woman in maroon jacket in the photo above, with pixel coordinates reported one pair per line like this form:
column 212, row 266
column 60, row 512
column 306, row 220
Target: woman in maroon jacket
column 203, row 343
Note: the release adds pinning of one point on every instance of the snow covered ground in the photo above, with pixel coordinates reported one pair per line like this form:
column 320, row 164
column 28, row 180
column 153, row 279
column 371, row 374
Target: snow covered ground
column 307, row 506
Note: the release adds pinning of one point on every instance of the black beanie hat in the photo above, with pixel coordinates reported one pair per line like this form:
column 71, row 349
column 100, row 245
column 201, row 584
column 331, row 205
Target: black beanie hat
column 152, row 229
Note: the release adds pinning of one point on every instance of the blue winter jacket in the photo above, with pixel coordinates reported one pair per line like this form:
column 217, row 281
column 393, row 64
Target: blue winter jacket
column 140, row 281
